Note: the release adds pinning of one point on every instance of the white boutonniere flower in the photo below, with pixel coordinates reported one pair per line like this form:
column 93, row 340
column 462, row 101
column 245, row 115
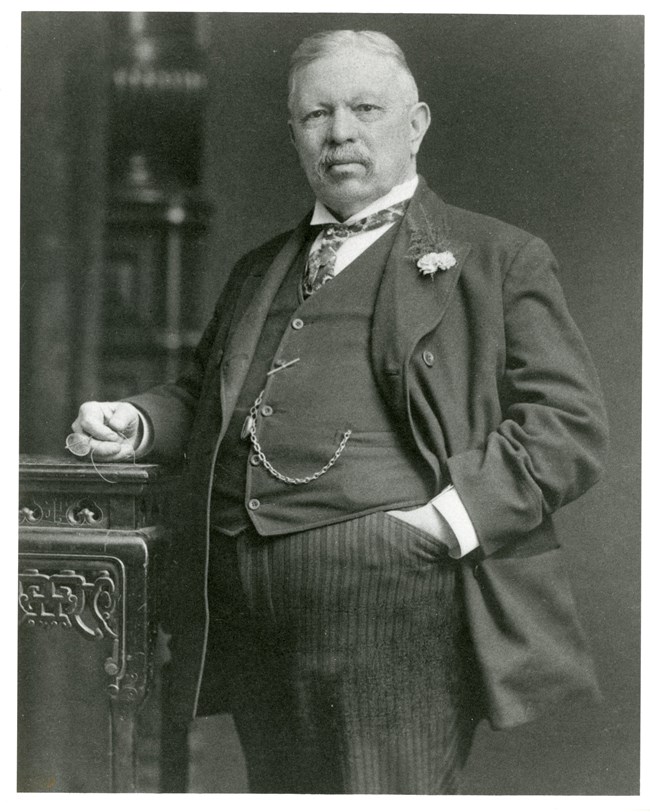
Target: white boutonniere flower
column 429, row 245
column 431, row 263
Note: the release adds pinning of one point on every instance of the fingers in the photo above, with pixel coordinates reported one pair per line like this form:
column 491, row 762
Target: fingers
column 103, row 451
column 124, row 420
column 93, row 418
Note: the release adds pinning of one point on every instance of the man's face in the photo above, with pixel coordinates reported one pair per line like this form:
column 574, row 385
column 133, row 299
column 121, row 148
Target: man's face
column 356, row 133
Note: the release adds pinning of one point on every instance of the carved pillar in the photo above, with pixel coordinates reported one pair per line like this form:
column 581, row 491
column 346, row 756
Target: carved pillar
column 156, row 215
column 89, row 550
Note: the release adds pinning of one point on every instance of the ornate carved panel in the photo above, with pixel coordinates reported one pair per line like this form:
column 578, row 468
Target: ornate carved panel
column 66, row 510
column 70, row 599
column 85, row 594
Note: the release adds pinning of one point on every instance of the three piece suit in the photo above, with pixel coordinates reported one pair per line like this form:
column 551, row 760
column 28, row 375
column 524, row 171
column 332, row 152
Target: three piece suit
column 478, row 378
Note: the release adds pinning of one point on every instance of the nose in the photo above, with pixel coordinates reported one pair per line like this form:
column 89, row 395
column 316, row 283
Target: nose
column 342, row 126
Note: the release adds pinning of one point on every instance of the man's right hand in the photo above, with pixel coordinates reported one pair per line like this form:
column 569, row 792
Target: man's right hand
column 114, row 428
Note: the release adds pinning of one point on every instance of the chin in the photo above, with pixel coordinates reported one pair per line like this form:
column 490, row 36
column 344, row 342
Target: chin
column 346, row 192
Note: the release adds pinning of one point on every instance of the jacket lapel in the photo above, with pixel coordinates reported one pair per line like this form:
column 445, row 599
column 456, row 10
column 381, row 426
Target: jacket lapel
column 410, row 305
column 240, row 347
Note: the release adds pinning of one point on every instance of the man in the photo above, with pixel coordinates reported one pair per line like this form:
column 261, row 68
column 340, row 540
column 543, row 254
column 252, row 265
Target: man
column 381, row 417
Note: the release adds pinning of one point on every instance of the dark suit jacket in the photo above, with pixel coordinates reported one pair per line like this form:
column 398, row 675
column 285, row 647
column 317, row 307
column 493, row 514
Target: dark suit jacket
column 510, row 409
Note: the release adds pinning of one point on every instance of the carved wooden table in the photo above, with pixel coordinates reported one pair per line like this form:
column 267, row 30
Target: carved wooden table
column 88, row 556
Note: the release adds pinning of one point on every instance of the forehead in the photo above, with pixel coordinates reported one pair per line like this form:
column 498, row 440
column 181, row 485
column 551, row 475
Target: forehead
column 346, row 74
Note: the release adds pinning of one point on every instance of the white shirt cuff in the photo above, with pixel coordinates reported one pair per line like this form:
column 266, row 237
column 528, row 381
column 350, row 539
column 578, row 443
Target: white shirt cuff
column 147, row 436
column 449, row 505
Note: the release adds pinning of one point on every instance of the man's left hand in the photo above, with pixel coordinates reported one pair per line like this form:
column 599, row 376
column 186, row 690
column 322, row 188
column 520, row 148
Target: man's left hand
column 431, row 521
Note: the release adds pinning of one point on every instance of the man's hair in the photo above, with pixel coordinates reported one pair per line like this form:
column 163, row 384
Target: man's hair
column 325, row 43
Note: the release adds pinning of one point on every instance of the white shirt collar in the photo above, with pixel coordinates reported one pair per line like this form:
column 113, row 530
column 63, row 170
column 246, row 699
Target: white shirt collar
column 402, row 191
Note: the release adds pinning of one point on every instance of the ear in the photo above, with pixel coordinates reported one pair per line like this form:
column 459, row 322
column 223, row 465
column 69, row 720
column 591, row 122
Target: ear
column 419, row 120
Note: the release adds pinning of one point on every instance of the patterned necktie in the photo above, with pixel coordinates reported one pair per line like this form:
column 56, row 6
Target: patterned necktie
column 320, row 265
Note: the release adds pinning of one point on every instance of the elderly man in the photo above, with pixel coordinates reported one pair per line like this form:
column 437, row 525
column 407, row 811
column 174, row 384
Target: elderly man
column 385, row 410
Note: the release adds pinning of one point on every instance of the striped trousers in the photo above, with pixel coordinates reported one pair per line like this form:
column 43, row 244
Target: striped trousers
column 348, row 656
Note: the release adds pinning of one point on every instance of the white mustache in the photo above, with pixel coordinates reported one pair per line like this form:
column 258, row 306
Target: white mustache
column 343, row 156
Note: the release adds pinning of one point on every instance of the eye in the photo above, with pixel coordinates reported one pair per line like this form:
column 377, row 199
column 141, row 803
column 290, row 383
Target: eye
column 314, row 115
column 367, row 112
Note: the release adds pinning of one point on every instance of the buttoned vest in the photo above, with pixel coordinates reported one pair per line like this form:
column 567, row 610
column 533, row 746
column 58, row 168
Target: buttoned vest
column 307, row 407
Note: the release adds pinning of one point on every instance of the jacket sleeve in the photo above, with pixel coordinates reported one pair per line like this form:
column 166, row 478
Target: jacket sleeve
column 548, row 449
column 170, row 408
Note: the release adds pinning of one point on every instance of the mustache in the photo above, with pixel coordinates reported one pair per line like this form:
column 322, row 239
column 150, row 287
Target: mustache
column 343, row 155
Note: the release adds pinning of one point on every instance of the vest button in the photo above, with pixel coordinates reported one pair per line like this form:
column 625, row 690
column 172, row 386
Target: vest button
column 266, row 410
column 297, row 324
column 253, row 504
column 255, row 459
column 427, row 357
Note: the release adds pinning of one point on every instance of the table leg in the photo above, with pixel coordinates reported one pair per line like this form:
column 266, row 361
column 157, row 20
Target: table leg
column 123, row 746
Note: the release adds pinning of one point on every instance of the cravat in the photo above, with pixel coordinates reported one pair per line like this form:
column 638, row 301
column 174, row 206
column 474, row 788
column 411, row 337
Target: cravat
column 320, row 265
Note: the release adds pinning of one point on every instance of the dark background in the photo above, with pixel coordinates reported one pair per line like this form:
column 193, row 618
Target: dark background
column 537, row 121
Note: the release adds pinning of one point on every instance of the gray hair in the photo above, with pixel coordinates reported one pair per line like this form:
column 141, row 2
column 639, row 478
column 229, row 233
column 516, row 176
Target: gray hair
column 325, row 43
